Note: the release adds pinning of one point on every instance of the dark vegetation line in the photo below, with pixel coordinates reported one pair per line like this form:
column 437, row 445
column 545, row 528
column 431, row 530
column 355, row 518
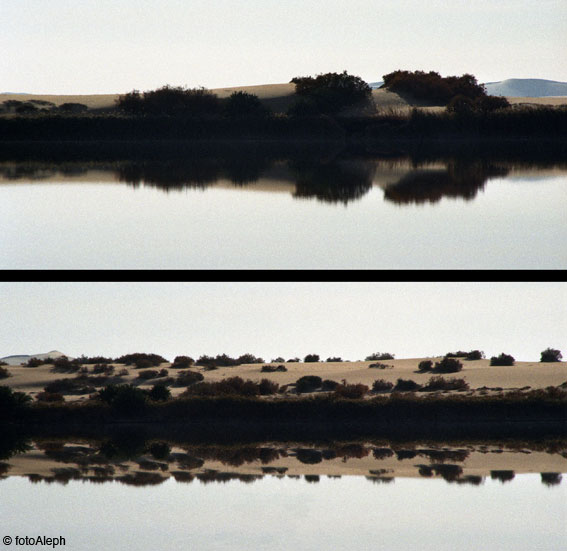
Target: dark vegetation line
column 331, row 107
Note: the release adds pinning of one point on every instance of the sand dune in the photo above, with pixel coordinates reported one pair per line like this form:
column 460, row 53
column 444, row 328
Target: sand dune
column 477, row 374
column 277, row 97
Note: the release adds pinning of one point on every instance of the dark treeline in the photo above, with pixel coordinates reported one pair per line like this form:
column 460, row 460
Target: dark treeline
column 526, row 123
column 541, row 410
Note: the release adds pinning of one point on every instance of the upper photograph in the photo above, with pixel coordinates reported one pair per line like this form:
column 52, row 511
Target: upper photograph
column 283, row 135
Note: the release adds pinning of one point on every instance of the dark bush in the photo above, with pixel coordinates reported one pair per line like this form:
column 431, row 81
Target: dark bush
column 63, row 363
column 279, row 359
column 377, row 356
column 103, row 368
column 474, row 355
column 460, row 105
column 93, row 360
column 160, row 450
column 182, row 362
column 459, row 354
column 2, row 364
column 148, row 374
column 159, row 393
column 424, row 366
column 163, row 373
column 12, row 401
column 170, row 101
column 49, row 397
column 4, row 373
column 503, row 476
column 439, row 383
column 380, row 385
column 304, row 107
column 487, row 104
column 243, row 104
column 73, row 108
column 67, row 386
column 293, row 360
column 332, row 92
column 406, row 385
column 232, row 386
column 448, row 365
column 311, row 358
column 379, row 366
column 354, row 392
column 267, row 387
column 308, row 383
column 334, row 359
column 33, row 362
column 503, row 359
column 309, row 456
column 141, row 360
column 187, row 378
column 328, row 385
column 551, row 355
column 273, row 368
column 126, row 399
column 551, row 479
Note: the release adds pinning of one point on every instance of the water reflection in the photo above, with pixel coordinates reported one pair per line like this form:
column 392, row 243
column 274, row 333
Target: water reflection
column 137, row 462
column 330, row 179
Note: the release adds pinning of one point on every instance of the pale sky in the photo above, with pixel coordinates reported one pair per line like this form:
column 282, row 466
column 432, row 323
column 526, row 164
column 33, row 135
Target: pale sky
column 351, row 320
column 111, row 46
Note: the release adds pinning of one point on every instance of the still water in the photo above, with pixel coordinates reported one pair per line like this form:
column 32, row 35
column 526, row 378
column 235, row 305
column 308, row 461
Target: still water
column 145, row 494
column 366, row 213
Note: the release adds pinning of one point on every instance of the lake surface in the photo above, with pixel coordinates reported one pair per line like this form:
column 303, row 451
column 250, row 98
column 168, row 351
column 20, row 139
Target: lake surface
column 336, row 509
column 322, row 213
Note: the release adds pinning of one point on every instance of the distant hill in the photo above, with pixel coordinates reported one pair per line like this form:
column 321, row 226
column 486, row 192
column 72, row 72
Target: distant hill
column 17, row 360
column 375, row 85
column 526, row 87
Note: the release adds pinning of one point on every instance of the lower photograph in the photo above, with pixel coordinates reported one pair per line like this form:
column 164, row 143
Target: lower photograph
column 283, row 415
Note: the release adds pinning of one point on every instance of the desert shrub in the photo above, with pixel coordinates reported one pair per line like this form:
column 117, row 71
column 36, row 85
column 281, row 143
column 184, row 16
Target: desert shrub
column 474, row 355
column 293, row 360
column 103, row 368
column 187, row 378
column 309, row 456
column 267, row 387
column 4, row 373
column 223, row 360
column 551, row 355
column 93, row 360
column 2, row 364
column 355, row 391
column 159, row 393
column 311, row 358
column 279, row 359
column 49, row 397
column 243, row 104
column 232, row 386
column 33, row 362
column 487, row 104
column 141, row 360
column 308, row 383
column 334, row 359
column 159, row 450
column 163, row 373
column 169, row 101
column 458, row 354
column 433, row 87
column 503, row 359
column 63, row 363
column 377, row 356
column 406, row 385
column 551, row 479
column 148, row 374
column 448, row 365
column 273, row 368
column 182, row 362
column 439, row 383
column 73, row 107
column 329, row 385
column 380, row 385
column 425, row 365
column 460, row 105
column 123, row 372
column 304, row 107
column 126, row 399
column 332, row 92
column 12, row 401
column 248, row 359
column 379, row 366
column 503, row 476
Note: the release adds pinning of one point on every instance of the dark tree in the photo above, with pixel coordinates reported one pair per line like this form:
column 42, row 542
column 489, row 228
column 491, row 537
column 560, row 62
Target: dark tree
column 311, row 358
column 243, row 104
column 333, row 92
column 503, row 359
column 551, row 355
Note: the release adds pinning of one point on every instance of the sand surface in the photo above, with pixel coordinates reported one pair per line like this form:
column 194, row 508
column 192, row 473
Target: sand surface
column 478, row 374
